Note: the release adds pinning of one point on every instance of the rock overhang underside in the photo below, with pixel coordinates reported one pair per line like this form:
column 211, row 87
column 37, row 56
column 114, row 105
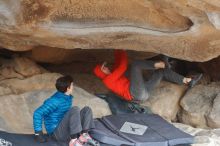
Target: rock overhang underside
column 185, row 29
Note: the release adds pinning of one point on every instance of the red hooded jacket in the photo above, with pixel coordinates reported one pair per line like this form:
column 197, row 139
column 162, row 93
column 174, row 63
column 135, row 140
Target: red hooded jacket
column 116, row 81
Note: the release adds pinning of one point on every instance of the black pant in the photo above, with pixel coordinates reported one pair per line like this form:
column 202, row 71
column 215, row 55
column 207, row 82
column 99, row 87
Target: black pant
column 74, row 121
column 140, row 88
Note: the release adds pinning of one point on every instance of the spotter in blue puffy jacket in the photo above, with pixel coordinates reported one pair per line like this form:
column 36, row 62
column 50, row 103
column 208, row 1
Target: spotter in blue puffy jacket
column 52, row 112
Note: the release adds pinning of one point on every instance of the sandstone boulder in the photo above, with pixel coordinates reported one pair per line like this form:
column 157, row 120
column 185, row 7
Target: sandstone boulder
column 164, row 100
column 213, row 119
column 26, row 67
column 37, row 82
column 8, row 73
column 186, row 30
column 5, row 91
column 199, row 103
column 82, row 98
column 19, row 67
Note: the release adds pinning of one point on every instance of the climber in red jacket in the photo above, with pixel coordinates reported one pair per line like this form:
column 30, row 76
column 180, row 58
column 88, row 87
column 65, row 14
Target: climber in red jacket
column 137, row 89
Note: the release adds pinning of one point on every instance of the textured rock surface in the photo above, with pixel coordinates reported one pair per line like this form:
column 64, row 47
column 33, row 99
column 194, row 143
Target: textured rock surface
column 19, row 67
column 8, row 73
column 58, row 55
column 201, row 106
column 37, row 82
column 202, row 137
column 165, row 99
column 26, row 67
column 5, row 90
column 213, row 118
column 186, row 29
column 16, row 111
column 83, row 98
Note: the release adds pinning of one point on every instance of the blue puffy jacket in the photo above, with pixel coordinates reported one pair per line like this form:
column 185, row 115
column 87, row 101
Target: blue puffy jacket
column 52, row 112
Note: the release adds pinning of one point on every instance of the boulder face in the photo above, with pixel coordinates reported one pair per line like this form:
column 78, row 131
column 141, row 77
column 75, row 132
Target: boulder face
column 200, row 106
column 37, row 82
column 19, row 67
column 164, row 100
column 185, row 29
column 213, row 118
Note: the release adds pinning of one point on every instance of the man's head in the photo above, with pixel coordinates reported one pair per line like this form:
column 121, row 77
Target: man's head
column 105, row 69
column 64, row 84
column 101, row 71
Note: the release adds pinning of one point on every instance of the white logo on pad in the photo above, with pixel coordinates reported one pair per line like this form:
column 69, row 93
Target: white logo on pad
column 133, row 128
column 5, row 142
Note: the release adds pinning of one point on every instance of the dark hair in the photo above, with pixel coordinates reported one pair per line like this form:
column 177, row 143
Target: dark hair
column 63, row 83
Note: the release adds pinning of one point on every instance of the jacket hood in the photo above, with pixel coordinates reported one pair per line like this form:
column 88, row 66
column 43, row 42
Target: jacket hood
column 98, row 72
